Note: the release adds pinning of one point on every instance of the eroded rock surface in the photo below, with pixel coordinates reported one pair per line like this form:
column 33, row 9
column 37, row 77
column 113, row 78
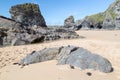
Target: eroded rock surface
column 28, row 14
column 74, row 56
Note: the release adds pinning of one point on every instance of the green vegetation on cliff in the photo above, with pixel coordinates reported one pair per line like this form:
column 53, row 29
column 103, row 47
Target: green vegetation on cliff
column 28, row 7
column 113, row 14
column 99, row 18
column 96, row 18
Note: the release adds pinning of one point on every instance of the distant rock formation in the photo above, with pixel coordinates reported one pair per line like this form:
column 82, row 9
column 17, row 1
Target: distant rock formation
column 71, row 55
column 109, row 19
column 69, row 22
column 28, row 14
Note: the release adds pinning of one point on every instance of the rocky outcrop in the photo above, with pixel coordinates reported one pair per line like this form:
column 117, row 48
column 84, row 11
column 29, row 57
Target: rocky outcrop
column 14, row 33
column 71, row 55
column 8, row 23
column 9, row 28
column 43, row 35
column 28, row 14
column 109, row 19
column 108, row 22
column 28, row 26
column 117, row 22
column 69, row 22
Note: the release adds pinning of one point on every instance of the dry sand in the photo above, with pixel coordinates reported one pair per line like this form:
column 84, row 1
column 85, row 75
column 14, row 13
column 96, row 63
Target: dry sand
column 104, row 43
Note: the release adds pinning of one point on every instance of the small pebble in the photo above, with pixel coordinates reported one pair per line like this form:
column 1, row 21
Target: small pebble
column 89, row 73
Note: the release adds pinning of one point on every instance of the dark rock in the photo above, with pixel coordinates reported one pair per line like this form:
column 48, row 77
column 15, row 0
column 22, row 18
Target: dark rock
column 28, row 14
column 2, row 35
column 78, row 27
column 74, row 56
column 86, row 60
column 1, row 41
column 89, row 73
column 99, row 26
column 72, row 67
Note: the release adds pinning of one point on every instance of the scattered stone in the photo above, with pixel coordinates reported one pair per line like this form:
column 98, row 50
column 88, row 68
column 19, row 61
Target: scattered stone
column 89, row 73
column 72, row 67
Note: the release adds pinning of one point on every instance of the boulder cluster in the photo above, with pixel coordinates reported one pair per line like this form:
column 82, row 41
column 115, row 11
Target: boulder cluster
column 28, row 26
column 71, row 55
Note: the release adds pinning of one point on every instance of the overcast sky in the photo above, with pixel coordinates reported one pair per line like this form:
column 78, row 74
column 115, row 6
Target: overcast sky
column 55, row 11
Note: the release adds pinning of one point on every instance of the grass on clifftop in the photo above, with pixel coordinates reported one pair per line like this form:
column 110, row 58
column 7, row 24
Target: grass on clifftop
column 96, row 18
column 27, row 7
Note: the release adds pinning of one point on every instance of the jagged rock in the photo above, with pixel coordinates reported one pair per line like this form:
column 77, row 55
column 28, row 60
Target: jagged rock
column 28, row 14
column 69, row 22
column 117, row 22
column 108, row 22
column 27, row 26
column 17, row 41
column 64, row 53
column 7, row 24
column 74, row 56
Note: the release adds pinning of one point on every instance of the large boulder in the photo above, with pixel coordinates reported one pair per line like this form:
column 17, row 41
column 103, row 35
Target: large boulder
column 84, row 59
column 71, row 55
column 28, row 14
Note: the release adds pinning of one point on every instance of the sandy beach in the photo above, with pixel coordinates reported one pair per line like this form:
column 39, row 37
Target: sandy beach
column 104, row 43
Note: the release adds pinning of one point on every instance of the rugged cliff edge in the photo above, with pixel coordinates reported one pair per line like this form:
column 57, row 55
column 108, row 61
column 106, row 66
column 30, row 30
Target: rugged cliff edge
column 110, row 19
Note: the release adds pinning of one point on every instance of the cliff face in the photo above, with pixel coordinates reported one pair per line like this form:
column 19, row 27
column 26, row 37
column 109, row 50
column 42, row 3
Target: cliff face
column 110, row 19
column 28, row 14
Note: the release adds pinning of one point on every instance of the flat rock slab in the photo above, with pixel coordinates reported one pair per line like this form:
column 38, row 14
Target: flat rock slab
column 74, row 56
